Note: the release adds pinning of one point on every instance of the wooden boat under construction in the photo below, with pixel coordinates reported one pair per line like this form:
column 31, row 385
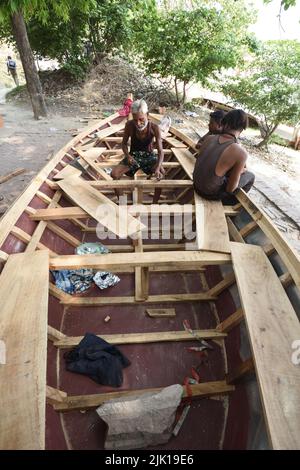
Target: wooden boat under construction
column 236, row 282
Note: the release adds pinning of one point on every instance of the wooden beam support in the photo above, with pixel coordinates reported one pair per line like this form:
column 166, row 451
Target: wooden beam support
column 228, row 280
column 233, row 231
column 38, row 233
column 129, row 300
column 54, row 334
column 233, row 320
column 82, row 402
column 142, row 338
column 245, row 368
column 55, row 396
column 115, row 260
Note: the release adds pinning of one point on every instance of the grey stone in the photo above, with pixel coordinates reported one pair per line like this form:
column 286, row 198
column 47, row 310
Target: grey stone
column 141, row 421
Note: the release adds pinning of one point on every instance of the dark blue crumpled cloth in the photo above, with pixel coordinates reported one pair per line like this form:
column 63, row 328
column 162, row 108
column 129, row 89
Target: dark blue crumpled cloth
column 73, row 281
column 97, row 359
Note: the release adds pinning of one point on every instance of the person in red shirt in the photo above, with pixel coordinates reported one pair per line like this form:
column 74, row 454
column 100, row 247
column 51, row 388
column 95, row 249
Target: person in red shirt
column 126, row 110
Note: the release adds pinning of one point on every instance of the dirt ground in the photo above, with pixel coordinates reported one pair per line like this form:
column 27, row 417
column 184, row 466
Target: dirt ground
column 26, row 143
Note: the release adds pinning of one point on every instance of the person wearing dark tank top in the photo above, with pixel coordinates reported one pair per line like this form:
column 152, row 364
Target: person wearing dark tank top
column 220, row 167
column 142, row 133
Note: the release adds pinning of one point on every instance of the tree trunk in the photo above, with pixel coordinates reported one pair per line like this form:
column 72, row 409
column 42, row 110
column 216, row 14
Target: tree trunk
column 184, row 93
column 32, row 78
column 264, row 142
column 177, row 93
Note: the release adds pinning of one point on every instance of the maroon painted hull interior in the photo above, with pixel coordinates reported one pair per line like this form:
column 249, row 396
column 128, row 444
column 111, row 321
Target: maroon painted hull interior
column 214, row 422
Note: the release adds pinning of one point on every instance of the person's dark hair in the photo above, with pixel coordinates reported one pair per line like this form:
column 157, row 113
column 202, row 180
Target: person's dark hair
column 9, row 57
column 236, row 120
column 162, row 104
column 217, row 116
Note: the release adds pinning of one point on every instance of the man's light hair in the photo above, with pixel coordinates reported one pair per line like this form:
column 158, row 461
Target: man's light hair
column 139, row 106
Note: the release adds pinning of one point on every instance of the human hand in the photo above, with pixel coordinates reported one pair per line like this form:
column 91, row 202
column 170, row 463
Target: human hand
column 131, row 160
column 159, row 172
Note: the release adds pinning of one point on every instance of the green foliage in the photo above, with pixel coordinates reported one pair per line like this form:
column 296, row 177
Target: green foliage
column 193, row 44
column 270, row 85
column 60, row 29
column 286, row 4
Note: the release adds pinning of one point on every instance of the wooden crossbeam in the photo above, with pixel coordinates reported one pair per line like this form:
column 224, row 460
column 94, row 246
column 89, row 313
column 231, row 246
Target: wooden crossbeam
column 38, row 233
column 82, row 402
column 130, row 300
column 233, row 320
column 142, row 338
column 115, row 260
column 61, row 213
column 245, row 368
column 145, row 184
column 228, row 280
column 24, row 237
column 54, row 334
column 54, row 396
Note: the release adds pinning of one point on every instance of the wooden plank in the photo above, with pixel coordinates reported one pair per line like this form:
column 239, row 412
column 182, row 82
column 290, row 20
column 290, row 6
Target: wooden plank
column 248, row 228
column 10, row 175
column 53, row 395
column 115, row 260
column 15, row 211
column 107, row 213
column 58, row 293
column 228, row 280
column 289, row 256
column 142, row 338
column 233, row 231
column 23, row 328
column 173, row 142
column 24, row 237
column 61, row 213
column 67, row 172
column 54, row 334
column 94, row 166
column 38, row 233
column 92, row 401
column 161, row 312
column 233, row 320
column 273, row 326
column 145, row 184
column 63, row 234
column 129, row 300
column 241, row 371
column 212, row 231
column 186, row 160
column 3, row 256
column 109, row 130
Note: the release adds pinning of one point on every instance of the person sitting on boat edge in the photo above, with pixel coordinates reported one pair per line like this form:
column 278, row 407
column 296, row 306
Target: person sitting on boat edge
column 141, row 156
column 214, row 126
column 221, row 167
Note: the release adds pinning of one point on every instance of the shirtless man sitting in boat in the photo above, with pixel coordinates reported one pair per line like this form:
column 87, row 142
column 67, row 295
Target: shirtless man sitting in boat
column 141, row 156
column 220, row 168
column 214, row 126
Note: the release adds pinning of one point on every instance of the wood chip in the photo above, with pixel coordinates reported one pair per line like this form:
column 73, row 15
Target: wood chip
column 161, row 312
